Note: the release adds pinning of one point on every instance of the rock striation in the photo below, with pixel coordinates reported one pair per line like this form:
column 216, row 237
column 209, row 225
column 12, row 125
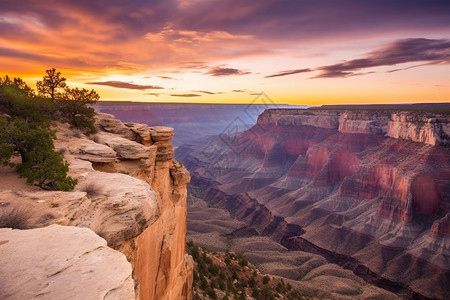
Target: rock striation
column 132, row 193
column 368, row 190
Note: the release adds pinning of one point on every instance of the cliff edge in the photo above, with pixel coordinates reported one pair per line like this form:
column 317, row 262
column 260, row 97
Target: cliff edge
column 130, row 192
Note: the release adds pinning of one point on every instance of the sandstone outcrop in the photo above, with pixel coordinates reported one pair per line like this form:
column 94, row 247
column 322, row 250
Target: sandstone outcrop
column 369, row 190
column 61, row 262
column 131, row 193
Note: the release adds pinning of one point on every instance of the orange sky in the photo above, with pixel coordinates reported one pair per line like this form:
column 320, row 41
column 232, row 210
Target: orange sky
column 209, row 51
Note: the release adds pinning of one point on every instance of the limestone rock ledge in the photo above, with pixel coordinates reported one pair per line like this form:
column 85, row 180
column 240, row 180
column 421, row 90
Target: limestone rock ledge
column 61, row 262
column 131, row 193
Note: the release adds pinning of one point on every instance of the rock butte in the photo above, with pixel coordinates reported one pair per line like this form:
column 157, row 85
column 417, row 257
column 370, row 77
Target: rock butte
column 131, row 193
column 369, row 190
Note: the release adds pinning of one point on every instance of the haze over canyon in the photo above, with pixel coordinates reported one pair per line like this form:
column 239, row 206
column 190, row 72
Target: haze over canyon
column 367, row 188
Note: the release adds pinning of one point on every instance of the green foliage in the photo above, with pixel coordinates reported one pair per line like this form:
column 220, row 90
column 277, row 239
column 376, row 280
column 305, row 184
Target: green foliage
column 26, row 129
column 50, row 83
column 252, row 282
column 27, row 132
column 75, row 109
column 48, row 169
column 23, row 86
column 235, row 278
column 6, row 149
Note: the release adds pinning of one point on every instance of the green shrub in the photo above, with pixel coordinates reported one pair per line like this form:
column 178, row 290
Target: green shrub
column 27, row 133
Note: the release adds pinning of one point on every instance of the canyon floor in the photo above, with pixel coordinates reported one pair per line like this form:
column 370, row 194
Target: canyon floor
column 216, row 230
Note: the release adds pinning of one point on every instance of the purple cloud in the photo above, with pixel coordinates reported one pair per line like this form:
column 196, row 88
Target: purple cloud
column 398, row 52
column 288, row 72
column 185, row 95
column 219, row 71
column 206, row 92
column 126, row 85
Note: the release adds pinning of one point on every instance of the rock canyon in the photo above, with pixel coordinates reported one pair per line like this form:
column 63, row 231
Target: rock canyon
column 119, row 235
column 366, row 189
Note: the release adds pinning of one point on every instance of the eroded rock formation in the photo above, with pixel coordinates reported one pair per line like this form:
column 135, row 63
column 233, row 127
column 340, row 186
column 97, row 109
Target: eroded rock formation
column 131, row 193
column 369, row 190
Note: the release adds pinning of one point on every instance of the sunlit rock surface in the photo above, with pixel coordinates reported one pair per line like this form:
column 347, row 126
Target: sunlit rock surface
column 62, row 262
column 131, row 193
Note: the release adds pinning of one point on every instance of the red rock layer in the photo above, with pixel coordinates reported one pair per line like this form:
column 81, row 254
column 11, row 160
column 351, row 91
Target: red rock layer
column 358, row 194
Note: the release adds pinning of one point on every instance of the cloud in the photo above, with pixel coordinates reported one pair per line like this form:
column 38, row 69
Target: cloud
column 407, row 68
column 194, row 65
column 128, row 37
column 402, row 51
column 219, row 71
column 166, row 77
column 185, row 95
column 126, row 85
column 154, row 94
column 207, row 92
column 288, row 72
column 238, row 91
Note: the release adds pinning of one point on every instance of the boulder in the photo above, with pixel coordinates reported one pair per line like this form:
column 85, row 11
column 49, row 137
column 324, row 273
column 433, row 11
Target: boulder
column 161, row 133
column 128, row 149
column 94, row 152
column 121, row 206
column 61, row 262
column 143, row 133
column 109, row 123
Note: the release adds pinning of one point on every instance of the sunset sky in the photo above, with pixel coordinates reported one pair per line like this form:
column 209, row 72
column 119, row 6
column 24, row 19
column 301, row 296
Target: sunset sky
column 211, row 51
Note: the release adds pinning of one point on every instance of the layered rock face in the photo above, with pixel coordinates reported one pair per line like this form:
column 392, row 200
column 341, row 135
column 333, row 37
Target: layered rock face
column 369, row 190
column 132, row 193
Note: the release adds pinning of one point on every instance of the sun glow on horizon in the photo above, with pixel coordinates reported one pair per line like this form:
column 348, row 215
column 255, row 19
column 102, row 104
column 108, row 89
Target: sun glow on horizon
column 215, row 52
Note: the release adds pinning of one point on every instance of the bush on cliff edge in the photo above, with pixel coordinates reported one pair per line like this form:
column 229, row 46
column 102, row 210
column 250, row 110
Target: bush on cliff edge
column 25, row 131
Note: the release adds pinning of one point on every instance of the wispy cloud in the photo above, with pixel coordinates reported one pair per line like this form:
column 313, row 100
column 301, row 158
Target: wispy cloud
column 126, row 85
column 153, row 94
column 399, row 52
column 288, row 72
column 166, row 77
column 220, row 71
column 185, row 95
column 206, row 92
column 193, row 65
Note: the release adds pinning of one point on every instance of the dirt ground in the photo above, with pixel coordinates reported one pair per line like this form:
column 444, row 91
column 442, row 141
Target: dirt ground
column 10, row 180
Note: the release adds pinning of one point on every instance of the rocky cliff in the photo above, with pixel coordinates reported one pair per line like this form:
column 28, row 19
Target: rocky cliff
column 132, row 193
column 368, row 190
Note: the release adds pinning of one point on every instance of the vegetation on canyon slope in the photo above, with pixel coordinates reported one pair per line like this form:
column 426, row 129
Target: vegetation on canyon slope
column 26, row 126
column 230, row 276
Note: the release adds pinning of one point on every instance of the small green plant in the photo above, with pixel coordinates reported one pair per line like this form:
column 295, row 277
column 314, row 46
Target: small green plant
column 54, row 205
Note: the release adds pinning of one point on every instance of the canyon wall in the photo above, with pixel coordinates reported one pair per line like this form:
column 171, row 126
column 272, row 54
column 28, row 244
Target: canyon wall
column 132, row 193
column 368, row 190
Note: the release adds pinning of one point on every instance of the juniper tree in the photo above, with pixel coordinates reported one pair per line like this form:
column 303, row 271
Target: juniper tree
column 50, row 83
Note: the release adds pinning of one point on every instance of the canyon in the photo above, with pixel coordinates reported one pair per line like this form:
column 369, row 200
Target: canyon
column 120, row 234
column 193, row 121
column 367, row 189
